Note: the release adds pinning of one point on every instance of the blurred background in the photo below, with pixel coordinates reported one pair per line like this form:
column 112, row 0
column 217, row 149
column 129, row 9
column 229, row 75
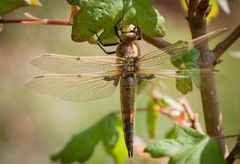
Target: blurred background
column 33, row 126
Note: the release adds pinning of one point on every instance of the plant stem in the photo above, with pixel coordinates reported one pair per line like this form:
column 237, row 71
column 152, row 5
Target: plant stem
column 226, row 43
column 210, row 101
column 36, row 21
column 235, row 151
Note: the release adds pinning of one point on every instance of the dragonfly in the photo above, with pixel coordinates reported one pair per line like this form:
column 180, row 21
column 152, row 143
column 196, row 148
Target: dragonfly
column 85, row 78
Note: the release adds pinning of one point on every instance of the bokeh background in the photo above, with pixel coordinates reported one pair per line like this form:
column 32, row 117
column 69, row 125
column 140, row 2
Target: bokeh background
column 33, row 126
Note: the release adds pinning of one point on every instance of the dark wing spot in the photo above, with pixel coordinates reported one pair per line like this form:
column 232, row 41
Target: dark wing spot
column 78, row 58
column 116, row 80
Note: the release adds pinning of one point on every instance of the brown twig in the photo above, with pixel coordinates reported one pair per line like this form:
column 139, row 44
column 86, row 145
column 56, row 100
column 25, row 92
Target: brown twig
column 36, row 21
column 235, row 151
column 210, row 101
column 193, row 117
column 157, row 42
column 226, row 43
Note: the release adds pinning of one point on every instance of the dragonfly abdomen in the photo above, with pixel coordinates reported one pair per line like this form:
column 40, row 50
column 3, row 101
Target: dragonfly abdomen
column 127, row 95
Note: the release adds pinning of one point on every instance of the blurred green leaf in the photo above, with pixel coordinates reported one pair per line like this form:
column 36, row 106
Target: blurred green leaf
column 189, row 147
column 171, row 134
column 81, row 146
column 101, row 16
column 188, row 61
column 7, row 6
column 152, row 118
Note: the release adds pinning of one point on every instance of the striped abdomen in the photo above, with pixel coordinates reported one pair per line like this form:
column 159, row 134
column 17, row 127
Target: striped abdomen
column 127, row 94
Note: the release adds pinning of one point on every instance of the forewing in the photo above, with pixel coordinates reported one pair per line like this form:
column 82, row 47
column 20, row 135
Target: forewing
column 160, row 56
column 76, row 87
column 77, row 64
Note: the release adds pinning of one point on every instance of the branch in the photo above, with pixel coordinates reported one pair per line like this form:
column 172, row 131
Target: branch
column 157, row 42
column 226, row 43
column 36, row 21
column 210, row 101
column 193, row 117
column 235, row 151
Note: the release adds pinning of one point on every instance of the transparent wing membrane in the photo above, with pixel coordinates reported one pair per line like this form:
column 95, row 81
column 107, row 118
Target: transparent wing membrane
column 77, row 64
column 162, row 55
column 76, row 87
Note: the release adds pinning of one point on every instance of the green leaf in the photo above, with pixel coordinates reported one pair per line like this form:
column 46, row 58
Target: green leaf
column 10, row 5
column 172, row 133
column 189, row 147
column 81, row 146
column 152, row 118
column 188, row 61
column 118, row 151
column 101, row 16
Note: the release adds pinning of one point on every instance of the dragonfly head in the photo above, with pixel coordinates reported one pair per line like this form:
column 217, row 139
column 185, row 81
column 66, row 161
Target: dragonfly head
column 128, row 33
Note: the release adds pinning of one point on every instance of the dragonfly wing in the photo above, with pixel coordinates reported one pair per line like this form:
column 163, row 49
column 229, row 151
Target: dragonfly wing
column 76, row 64
column 164, row 74
column 76, row 87
column 170, row 80
column 160, row 56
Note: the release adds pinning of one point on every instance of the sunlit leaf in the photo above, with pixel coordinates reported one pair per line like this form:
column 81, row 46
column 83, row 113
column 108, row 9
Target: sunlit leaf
column 101, row 16
column 189, row 147
column 118, row 151
column 81, row 146
column 7, row 6
column 214, row 10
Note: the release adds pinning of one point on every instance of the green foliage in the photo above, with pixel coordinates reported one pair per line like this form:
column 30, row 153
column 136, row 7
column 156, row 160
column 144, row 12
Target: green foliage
column 171, row 134
column 81, row 146
column 152, row 118
column 189, row 147
column 188, row 61
column 101, row 16
column 10, row 5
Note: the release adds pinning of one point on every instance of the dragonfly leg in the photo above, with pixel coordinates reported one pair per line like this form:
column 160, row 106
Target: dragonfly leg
column 101, row 44
column 139, row 32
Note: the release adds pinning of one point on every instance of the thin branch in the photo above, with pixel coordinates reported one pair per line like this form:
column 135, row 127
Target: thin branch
column 194, row 117
column 228, row 136
column 226, row 43
column 157, row 42
column 235, row 151
column 36, row 21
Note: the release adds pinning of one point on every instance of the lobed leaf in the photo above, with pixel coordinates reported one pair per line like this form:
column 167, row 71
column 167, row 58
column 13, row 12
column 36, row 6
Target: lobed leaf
column 189, row 147
column 101, row 16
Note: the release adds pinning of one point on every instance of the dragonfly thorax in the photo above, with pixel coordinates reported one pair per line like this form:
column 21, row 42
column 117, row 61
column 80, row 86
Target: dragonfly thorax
column 128, row 33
